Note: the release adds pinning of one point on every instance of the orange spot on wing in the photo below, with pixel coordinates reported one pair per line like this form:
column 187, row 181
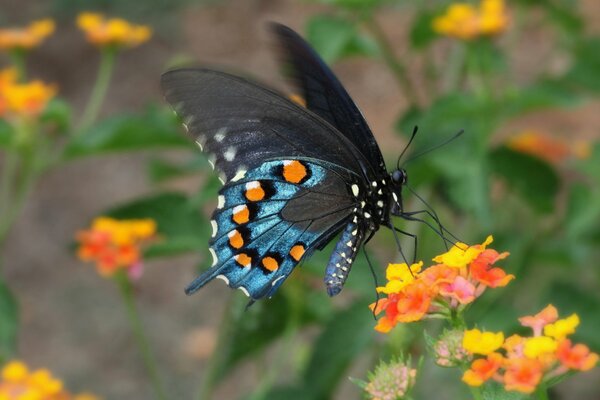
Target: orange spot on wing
column 294, row 171
column 297, row 252
column 270, row 263
column 243, row 260
column 254, row 192
column 241, row 214
column 235, row 239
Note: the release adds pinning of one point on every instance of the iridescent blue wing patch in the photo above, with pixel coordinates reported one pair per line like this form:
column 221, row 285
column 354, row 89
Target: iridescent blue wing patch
column 265, row 223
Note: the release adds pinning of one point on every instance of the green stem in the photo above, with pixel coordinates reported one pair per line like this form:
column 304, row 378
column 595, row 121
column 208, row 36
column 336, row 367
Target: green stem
column 107, row 62
column 138, row 331
column 219, row 357
column 455, row 68
column 17, row 59
column 393, row 63
column 541, row 393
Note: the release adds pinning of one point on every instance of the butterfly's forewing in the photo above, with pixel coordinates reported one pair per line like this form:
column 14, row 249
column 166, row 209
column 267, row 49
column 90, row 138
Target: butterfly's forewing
column 288, row 176
column 325, row 95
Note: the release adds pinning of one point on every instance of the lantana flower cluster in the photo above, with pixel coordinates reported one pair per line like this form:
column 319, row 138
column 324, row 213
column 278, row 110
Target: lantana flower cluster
column 459, row 276
column 522, row 363
column 390, row 381
column 22, row 99
column 116, row 244
column 20, row 383
column 115, row 32
column 465, row 21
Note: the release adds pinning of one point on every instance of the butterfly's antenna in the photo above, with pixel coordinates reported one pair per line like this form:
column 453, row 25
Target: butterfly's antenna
column 374, row 280
column 414, row 133
column 409, row 217
column 437, row 146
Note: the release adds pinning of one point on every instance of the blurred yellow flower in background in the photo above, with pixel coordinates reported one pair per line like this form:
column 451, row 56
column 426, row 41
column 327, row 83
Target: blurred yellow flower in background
column 26, row 38
column 23, row 99
column 117, row 32
column 464, row 21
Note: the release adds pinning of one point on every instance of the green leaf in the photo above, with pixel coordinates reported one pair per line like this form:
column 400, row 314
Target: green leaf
column 6, row 134
column 544, row 94
column 347, row 334
column 181, row 227
column 160, row 170
column 335, row 38
column 422, row 33
column 9, row 323
column 156, row 127
column 584, row 72
column 583, row 210
column 495, row 391
column 534, row 179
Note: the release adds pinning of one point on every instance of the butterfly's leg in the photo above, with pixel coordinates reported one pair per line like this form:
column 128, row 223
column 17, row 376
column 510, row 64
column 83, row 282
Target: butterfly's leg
column 409, row 217
column 434, row 216
column 413, row 236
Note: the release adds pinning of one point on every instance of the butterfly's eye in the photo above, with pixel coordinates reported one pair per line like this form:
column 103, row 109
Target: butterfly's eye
column 399, row 176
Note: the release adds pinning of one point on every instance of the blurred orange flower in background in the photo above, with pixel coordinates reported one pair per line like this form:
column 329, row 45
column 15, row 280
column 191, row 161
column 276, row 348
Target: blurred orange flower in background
column 464, row 21
column 548, row 148
column 26, row 38
column 20, row 383
column 116, row 244
column 28, row 99
column 116, row 32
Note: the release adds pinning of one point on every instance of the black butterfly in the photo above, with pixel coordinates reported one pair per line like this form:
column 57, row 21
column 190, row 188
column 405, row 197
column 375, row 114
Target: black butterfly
column 293, row 177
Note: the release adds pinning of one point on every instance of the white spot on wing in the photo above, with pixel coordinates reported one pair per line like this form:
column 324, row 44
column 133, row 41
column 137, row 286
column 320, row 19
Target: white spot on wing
column 355, row 190
column 252, row 185
column 223, row 278
column 229, row 154
column 220, row 135
column 380, row 203
column 244, row 290
column 215, row 227
column 214, row 256
column 239, row 175
column 395, row 197
column 220, row 201
column 239, row 208
column 277, row 280
column 211, row 161
column 199, row 143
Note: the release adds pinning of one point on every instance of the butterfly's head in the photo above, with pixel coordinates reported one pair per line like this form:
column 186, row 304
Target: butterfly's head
column 399, row 177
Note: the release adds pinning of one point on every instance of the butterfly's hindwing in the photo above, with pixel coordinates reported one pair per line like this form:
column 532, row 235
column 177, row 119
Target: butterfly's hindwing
column 259, row 236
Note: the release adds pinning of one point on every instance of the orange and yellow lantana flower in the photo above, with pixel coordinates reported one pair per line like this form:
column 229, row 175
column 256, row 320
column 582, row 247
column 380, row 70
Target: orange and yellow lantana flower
column 551, row 149
column 528, row 361
column 22, row 99
column 460, row 276
column 115, row 244
column 115, row 32
column 26, row 38
column 464, row 21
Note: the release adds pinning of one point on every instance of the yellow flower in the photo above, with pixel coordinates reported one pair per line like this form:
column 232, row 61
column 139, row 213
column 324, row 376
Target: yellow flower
column 478, row 342
column 460, row 255
column 562, row 328
column 113, row 31
column 39, row 384
column 399, row 276
column 539, row 346
column 464, row 21
column 28, row 37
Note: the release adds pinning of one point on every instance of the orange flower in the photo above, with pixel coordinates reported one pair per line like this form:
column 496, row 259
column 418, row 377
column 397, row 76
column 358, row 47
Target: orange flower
column 20, row 383
column 576, row 357
column 413, row 303
column 483, row 369
column 25, row 99
column 551, row 149
column 26, row 38
column 541, row 319
column 115, row 32
column 482, row 272
column 459, row 290
column 523, row 375
column 115, row 245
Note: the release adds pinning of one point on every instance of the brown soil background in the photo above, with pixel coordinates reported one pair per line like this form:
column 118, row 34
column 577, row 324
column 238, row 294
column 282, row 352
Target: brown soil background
column 72, row 320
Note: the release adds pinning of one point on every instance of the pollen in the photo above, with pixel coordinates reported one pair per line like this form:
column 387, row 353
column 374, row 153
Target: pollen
column 254, row 192
column 241, row 214
column 270, row 264
column 294, row 171
column 235, row 239
column 243, row 260
column 297, row 252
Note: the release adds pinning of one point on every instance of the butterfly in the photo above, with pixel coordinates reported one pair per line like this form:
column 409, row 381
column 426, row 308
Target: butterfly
column 294, row 177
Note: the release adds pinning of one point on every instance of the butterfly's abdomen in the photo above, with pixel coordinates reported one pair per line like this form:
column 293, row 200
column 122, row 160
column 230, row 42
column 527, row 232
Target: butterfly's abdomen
column 342, row 258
